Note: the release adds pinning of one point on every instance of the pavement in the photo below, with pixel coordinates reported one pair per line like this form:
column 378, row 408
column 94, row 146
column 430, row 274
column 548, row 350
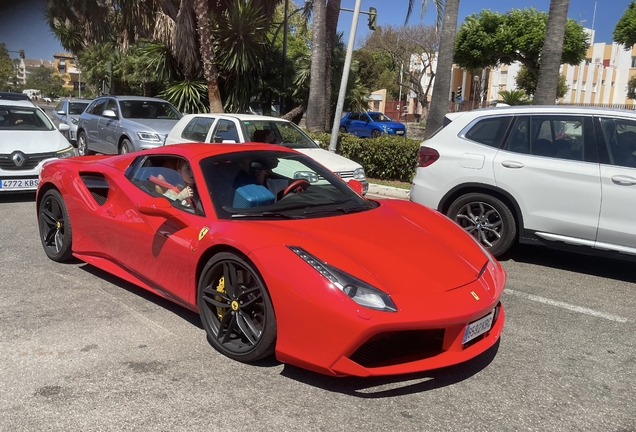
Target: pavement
column 388, row 191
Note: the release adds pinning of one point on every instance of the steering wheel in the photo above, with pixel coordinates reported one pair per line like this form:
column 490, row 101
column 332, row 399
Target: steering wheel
column 299, row 185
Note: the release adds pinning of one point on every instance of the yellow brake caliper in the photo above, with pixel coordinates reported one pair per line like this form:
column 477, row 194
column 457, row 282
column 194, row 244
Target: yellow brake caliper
column 220, row 312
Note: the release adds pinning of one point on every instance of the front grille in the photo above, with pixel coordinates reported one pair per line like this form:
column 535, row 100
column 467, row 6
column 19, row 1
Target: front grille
column 390, row 348
column 345, row 174
column 32, row 161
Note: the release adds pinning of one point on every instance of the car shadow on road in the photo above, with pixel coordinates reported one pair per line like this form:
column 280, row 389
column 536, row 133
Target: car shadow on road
column 618, row 269
column 394, row 385
column 186, row 314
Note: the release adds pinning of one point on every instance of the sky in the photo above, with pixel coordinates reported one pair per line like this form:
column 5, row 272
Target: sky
column 22, row 24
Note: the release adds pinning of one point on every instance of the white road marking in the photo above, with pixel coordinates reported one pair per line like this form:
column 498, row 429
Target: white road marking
column 567, row 306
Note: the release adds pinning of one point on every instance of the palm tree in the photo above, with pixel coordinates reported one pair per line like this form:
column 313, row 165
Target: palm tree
column 441, row 88
column 317, row 84
column 547, row 82
column 513, row 97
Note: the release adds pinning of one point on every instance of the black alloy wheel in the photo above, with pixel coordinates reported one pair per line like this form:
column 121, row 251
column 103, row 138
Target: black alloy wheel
column 55, row 227
column 376, row 133
column 235, row 308
column 487, row 219
column 343, row 129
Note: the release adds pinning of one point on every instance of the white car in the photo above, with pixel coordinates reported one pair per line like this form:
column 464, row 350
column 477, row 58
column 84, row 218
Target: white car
column 559, row 176
column 28, row 139
column 241, row 128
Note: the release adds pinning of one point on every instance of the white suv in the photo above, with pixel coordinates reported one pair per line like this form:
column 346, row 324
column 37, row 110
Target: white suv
column 561, row 176
column 241, row 128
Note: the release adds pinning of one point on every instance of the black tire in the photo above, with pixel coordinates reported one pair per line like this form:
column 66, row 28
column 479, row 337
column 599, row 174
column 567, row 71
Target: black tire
column 235, row 308
column 343, row 129
column 55, row 227
column 487, row 219
column 126, row 146
column 82, row 144
column 375, row 133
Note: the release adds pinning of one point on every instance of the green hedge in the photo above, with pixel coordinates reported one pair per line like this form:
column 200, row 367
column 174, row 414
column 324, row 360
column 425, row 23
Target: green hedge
column 384, row 158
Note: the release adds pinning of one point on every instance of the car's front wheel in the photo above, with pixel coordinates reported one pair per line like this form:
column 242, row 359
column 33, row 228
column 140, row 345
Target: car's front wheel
column 375, row 133
column 55, row 227
column 487, row 219
column 82, row 144
column 235, row 308
column 125, row 146
column 343, row 129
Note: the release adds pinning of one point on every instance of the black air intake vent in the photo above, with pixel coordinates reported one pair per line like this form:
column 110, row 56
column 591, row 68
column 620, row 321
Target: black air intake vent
column 97, row 185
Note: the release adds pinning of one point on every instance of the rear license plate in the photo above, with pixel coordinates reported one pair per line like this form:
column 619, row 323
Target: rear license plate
column 19, row 184
column 400, row 132
column 478, row 327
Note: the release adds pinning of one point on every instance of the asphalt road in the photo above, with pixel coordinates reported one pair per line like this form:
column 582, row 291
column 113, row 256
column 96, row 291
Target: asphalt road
column 83, row 351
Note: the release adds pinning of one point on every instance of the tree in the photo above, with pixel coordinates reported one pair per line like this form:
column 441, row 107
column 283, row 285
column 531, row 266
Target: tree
column 514, row 97
column 377, row 70
column 317, row 101
column 6, row 66
column 625, row 30
column 631, row 88
column 548, row 79
column 527, row 82
column 489, row 39
column 414, row 47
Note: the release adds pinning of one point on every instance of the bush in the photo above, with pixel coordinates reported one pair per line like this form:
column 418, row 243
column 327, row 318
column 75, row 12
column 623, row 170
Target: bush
column 385, row 158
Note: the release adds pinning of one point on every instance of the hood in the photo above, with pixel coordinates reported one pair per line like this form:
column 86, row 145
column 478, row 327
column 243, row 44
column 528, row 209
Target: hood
column 332, row 161
column 32, row 141
column 420, row 250
column 161, row 126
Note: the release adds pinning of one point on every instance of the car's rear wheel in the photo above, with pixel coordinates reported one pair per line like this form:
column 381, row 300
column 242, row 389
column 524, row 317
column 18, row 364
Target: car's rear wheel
column 125, row 146
column 343, row 129
column 55, row 227
column 82, row 144
column 487, row 219
column 235, row 308
column 375, row 133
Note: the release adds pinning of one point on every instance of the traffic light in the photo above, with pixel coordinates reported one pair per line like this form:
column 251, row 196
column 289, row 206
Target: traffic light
column 373, row 18
column 459, row 94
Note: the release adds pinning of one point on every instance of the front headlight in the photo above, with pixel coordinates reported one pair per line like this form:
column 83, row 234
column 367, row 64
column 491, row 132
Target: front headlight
column 74, row 120
column 387, row 129
column 354, row 288
column 359, row 174
column 148, row 136
column 66, row 153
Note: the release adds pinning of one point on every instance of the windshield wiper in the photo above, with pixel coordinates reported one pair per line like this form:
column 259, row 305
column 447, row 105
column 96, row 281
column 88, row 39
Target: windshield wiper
column 267, row 214
column 343, row 210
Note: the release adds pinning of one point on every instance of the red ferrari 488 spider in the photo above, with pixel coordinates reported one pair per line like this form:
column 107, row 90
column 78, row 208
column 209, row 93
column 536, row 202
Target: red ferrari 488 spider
column 279, row 256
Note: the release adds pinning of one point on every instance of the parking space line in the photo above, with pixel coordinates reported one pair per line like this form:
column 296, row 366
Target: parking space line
column 567, row 306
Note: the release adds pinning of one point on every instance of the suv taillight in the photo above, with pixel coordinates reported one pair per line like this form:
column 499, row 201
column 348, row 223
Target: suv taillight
column 426, row 156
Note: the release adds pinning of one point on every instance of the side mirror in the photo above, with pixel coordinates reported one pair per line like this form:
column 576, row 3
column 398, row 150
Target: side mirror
column 61, row 112
column 109, row 113
column 161, row 207
column 356, row 186
column 63, row 127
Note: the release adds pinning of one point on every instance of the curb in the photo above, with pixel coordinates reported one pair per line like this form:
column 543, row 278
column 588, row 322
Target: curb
column 388, row 191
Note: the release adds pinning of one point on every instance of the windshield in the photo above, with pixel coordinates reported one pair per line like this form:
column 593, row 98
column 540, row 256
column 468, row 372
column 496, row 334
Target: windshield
column 141, row 109
column 379, row 117
column 24, row 118
column 277, row 185
column 76, row 108
column 277, row 132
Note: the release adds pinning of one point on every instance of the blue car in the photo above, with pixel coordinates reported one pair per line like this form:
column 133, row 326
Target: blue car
column 370, row 124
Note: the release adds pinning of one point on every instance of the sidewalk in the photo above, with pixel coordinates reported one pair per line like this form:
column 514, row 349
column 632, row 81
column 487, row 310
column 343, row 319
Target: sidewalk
column 388, row 191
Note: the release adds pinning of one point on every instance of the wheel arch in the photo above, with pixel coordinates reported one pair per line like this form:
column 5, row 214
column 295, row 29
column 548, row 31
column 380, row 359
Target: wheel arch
column 121, row 140
column 207, row 255
column 494, row 191
column 41, row 192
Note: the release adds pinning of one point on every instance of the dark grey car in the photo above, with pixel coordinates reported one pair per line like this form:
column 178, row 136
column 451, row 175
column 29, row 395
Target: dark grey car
column 67, row 112
column 123, row 124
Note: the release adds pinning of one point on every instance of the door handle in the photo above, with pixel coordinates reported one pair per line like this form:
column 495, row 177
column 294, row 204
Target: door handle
column 622, row 180
column 512, row 164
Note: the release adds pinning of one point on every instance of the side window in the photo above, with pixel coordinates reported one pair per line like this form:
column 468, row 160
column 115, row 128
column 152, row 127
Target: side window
column 112, row 105
column 620, row 140
column 519, row 139
column 558, row 137
column 225, row 130
column 197, row 129
column 488, row 131
column 97, row 107
column 170, row 177
column 59, row 106
column 354, row 116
